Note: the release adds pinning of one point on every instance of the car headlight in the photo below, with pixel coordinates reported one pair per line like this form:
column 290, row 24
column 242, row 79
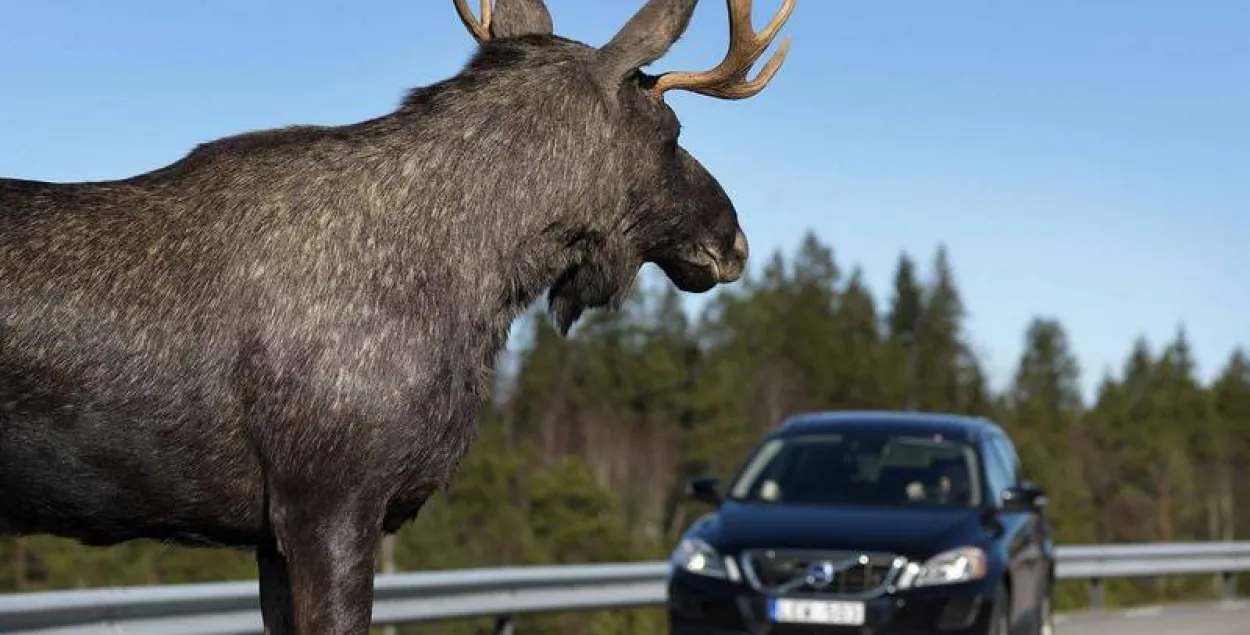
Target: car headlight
column 964, row 564
column 698, row 557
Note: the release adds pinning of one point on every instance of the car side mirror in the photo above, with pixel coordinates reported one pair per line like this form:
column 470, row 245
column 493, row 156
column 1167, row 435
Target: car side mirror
column 1025, row 497
column 704, row 487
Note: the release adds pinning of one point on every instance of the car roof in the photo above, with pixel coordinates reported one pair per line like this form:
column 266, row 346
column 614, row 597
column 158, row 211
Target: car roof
column 955, row 426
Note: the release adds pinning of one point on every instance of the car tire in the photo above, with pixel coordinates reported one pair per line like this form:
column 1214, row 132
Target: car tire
column 1046, row 625
column 1000, row 614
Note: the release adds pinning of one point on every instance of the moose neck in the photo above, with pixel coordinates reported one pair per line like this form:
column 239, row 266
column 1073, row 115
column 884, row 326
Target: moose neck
column 531, row 180
column 462, row 206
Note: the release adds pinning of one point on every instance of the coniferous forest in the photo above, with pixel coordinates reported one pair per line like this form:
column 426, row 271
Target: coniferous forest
column 584, row 449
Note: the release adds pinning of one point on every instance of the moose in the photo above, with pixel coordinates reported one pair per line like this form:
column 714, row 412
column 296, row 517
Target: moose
column 280, row 341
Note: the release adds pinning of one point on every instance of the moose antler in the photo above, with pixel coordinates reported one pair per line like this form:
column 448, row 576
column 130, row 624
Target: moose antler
column 728, row 79
column 479, row 28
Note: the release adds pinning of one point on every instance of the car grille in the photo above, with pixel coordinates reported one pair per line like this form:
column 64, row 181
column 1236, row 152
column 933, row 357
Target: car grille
column 840, row 573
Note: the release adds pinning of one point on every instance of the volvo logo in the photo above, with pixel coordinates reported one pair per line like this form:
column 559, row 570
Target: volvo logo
column 820, row 573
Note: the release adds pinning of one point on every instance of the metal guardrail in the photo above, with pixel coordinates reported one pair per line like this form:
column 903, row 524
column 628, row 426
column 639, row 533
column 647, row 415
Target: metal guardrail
column 234, row 608
column 1096, row 563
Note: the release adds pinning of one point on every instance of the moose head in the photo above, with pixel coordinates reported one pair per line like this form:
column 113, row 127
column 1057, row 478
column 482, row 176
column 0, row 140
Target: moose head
column 667, row 209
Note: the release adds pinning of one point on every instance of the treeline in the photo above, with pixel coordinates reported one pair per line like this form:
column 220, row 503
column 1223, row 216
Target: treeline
column 584, row 449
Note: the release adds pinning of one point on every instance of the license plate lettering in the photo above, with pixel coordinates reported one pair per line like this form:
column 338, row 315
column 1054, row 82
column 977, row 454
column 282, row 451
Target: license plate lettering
column 817, row 612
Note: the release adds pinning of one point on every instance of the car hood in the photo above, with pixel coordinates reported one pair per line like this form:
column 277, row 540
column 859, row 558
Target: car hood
column 912, row 532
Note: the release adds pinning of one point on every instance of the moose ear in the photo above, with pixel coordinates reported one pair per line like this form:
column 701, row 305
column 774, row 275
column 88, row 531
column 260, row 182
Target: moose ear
column 645, row 38
column 514, row 18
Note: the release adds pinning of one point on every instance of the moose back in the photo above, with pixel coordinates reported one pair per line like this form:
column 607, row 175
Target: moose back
column 280, row 341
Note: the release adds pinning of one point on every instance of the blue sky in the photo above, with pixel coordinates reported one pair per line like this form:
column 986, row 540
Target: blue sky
column 1084, row 160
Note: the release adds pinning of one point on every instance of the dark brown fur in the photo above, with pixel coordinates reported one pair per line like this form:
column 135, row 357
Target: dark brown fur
column 280, row 341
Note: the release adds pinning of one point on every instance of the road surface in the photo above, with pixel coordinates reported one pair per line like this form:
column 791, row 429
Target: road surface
column 1217, row 618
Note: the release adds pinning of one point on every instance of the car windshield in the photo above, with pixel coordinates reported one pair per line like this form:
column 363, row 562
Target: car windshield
column 861, row 468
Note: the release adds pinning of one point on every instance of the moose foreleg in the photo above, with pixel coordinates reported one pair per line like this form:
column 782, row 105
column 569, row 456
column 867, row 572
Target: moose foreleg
column 275, row 590
column 328, row 559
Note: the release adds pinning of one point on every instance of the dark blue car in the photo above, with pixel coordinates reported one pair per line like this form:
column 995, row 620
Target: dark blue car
column 869, row 522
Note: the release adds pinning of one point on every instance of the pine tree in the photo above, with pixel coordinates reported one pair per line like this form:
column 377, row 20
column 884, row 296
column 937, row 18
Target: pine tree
column 1044, row 406
column 807, row 324
column 902, row 322
column 942, row 361
column 1231, row 401
column 862, row 374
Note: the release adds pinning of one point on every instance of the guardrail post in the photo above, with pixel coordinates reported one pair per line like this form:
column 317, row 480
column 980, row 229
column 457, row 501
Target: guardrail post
column 1095, row 593
column 504, row 626
column 1230, row 585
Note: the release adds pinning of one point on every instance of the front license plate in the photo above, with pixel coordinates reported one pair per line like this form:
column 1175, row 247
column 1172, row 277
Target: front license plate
column 816, row 612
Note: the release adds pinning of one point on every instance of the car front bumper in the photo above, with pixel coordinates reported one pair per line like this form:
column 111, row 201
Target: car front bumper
column 699, row 605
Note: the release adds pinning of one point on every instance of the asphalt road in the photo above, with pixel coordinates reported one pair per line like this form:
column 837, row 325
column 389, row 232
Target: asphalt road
column 1217, row 618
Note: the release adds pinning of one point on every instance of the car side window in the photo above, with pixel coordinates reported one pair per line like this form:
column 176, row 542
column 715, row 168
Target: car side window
column 998, row 475
column 1011, row 461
